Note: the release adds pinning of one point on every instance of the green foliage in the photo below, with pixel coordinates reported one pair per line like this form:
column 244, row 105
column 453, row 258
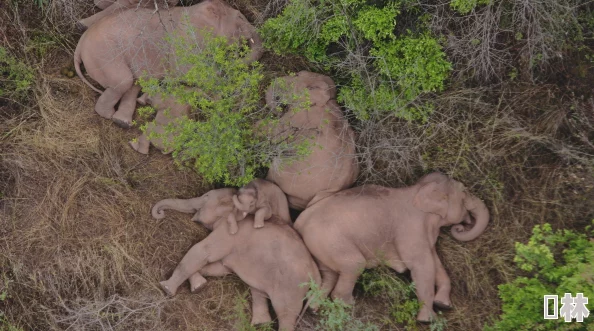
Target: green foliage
column 242, row 318
column 556, row 262
column 335, row 34
column 224, row 144
column 466, row 6
column 335, row 315
column 16, row 77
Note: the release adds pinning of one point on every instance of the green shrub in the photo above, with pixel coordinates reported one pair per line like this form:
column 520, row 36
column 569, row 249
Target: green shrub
column 242, row 318
column 5, row 325
column 221, row 141
column 16, row 77
column 466, row 6
column 555, row 262
column 382, row 72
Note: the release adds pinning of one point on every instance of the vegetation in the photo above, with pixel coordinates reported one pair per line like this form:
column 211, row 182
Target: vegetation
column 382, row 72
column 223, row 141
column 513, row 123
column 16, row 77
column 555, row 262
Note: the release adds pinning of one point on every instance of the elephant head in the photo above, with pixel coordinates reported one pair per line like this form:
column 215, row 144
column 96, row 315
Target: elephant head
column 286, row 90
column 245, row 200
column 210, row 208
column 449, row 199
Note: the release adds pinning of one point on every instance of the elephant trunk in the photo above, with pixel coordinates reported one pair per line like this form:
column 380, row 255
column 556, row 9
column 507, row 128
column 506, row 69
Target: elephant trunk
column 479, row 212
column 181, row 205
column 241, row 214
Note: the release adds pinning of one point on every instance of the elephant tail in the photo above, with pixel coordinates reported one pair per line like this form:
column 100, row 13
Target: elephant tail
column 78, row 61
column 181, row 205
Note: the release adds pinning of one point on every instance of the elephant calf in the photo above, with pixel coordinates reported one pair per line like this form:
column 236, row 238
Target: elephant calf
column 272, row 261
column 168, row 112
column 365, row 226
column 312, row 111
column 262, row 199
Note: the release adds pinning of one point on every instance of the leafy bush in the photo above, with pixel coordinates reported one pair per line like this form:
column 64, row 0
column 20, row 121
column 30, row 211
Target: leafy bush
column 383, row 72
column 466, row 6
column 556, row 262
column 16, row 77
column 243, row 319
column 225, row 140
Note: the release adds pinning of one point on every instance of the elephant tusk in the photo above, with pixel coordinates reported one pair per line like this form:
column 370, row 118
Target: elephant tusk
column 252, row 40
column 244, row 214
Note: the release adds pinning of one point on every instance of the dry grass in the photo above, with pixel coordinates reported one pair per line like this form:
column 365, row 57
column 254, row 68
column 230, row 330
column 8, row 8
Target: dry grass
column 79, row 250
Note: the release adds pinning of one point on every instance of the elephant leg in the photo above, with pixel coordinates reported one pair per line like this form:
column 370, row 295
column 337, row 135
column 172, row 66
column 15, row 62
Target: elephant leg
column 423, row 275
column 123, row 117
column 329, row 279
column 296, row 203
column 443, row 283
column 193, row 261
column 215, row 269
column 104, row 3
column 105, row 105
column 349, row 272
column 260, row 312
column 287, row 308
column 141, row 145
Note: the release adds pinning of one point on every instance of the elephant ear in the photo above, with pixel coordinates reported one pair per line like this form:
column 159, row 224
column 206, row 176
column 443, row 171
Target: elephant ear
column 432, row 198
column 319, row 92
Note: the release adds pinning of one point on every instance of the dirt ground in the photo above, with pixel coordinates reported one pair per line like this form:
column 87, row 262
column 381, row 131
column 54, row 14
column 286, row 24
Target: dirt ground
column 79, row 249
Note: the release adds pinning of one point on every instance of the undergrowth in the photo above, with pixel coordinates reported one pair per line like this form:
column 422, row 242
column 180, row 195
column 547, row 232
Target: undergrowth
column 553, row 263
column 223, row 140
column 379, row 71
column 16, row 77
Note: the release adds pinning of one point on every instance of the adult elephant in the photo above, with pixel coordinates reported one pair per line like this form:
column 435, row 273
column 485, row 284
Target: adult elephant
column 312, row 112
column 115, row 6
column 118, row 49
column 273, row 260
column 369, row 225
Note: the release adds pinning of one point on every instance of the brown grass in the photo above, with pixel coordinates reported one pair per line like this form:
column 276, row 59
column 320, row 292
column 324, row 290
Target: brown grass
column 80, row 251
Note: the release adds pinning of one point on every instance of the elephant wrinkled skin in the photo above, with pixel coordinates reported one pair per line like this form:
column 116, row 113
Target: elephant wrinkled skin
column 263, row 199
column 273, row 260
column 332, row 164
column 118, row 49
column 365, row 226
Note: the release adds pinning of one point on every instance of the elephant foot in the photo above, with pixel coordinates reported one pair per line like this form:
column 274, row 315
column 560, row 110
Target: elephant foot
column 348, row 299
column 197, row 282
column 258, row 225
column 261, row 319
column 123, row 123
column 233, row 228
column 167, row 288
column 425, row 316
column 143, row 99
column 442, row 305
column 140, row 149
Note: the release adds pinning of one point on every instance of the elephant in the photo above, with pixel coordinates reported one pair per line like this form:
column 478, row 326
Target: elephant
column 109, row 7
column 118, row 49
column 312, row 111
column 272, row 261
column 168, row 112
column 369, row 225
column 262, row 199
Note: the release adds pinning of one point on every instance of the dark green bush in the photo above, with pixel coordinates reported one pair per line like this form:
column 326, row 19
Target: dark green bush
column 16, row 77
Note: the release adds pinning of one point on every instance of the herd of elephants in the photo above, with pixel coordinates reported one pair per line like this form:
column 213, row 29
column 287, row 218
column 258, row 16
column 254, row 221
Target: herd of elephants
column 341, row 230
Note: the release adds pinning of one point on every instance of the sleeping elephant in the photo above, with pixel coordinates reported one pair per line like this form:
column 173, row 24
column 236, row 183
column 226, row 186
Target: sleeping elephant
column 169, row 110
column 312, row 111
column 109, row 7
column 263, row 199
column 272, row 261
column 365, row 226
column 120, row 48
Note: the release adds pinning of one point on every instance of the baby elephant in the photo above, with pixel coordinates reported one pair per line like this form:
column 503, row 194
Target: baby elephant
column 262, row 199
column 168, row 112
column 272, row 261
